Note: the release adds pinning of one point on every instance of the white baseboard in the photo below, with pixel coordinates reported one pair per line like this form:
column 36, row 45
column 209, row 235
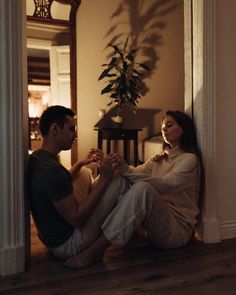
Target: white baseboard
column 210, row 230
column 12, row 260
column 228, row 230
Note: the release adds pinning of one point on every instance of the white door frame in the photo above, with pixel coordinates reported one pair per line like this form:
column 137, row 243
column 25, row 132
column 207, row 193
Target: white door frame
column 200, row 97
column 13, row 135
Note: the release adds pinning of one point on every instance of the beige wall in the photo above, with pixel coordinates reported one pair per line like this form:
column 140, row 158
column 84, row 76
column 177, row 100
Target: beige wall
column 159, row 28
column 226, row 118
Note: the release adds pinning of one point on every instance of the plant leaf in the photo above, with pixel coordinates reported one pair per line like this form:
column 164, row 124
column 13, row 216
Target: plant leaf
column 116, row 48
column 111, row 75
column 126, row 42
column 134, row 50
column 104, row 74
column 107, row 89
column 136, row 72
column 130, row 57
column 145, row 67
column 113, row 61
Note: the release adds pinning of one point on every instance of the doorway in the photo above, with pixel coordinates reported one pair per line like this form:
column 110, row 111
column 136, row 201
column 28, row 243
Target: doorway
column 38, row 90
column 48, row 79
column 51, row 50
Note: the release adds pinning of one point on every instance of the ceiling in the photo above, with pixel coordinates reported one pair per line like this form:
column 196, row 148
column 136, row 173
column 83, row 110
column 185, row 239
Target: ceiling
column 38, row 66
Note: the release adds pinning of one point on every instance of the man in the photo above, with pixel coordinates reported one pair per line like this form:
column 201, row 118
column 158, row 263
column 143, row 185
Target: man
column 65, row 226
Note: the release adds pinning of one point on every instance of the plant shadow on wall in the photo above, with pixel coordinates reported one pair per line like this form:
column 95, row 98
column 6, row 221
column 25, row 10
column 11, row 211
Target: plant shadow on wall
column 145, row 24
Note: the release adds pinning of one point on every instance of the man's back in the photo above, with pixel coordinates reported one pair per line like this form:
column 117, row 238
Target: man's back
column 49, row 182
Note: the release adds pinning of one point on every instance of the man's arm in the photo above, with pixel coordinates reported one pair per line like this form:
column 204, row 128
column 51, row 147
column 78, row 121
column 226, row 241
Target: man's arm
column 76, row 214
column 94, row 155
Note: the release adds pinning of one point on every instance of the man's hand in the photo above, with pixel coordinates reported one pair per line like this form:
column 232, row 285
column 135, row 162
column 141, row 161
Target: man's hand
column 119, row 164
column 94, row 155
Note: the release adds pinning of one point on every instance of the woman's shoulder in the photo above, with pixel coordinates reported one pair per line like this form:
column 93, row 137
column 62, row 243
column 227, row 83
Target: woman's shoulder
column 178, row 153
column 188, row 159
column 188, row 155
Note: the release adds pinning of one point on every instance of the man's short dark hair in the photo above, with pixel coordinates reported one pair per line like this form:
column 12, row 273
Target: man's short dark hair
column 54, row 114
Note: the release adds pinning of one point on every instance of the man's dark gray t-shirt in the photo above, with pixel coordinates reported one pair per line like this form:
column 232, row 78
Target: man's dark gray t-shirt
column 49, row 182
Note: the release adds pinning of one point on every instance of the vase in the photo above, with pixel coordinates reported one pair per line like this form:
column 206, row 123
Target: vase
column 117, row 119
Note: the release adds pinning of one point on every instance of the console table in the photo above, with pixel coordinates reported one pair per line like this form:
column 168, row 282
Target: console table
column 119, row 133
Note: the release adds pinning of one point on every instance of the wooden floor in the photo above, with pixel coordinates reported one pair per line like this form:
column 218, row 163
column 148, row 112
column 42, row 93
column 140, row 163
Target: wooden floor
column 194, row 269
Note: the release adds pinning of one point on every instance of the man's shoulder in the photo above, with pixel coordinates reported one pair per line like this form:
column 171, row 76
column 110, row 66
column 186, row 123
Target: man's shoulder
column 43, row 157
column 43, row 162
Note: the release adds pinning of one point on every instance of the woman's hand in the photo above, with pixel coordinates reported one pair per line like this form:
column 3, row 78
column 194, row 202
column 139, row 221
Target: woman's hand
column 121, row 165
column 159, row 157
column 109, row 166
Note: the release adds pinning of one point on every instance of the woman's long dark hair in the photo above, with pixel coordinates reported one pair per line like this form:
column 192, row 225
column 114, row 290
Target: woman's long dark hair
column 188, row 139
column 188, row 143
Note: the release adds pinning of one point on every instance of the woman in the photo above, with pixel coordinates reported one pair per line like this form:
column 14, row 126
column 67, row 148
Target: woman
column 163, row 198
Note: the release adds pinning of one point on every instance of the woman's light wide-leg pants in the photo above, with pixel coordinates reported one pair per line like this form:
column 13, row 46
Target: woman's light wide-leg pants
column 143, row 206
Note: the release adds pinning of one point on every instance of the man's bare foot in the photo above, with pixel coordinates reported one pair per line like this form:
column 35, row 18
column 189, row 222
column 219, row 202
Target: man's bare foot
column 82, row 260
column 92, row 254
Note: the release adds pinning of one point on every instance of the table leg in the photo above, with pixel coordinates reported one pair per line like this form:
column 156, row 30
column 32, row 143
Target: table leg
column 108, row 146
column 100, row 139
column 125, row 152
column 136, row 149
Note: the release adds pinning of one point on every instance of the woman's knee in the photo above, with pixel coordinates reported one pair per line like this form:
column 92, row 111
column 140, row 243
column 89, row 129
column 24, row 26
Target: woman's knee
column 141, row 185
column 119, row 183
column 145, row 187
column 143, row 192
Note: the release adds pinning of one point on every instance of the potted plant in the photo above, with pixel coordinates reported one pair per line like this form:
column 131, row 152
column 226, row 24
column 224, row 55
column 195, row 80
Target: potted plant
column 124, row 77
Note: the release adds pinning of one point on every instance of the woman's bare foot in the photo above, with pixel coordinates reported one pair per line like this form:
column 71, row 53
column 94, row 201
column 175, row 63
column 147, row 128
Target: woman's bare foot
column 93, row 254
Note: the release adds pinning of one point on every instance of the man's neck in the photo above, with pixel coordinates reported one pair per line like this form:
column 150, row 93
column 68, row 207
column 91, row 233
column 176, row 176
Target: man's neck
column 50, row 147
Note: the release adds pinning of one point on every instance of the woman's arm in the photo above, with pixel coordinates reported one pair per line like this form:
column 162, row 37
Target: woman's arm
column 145, row 168
column 182, row 176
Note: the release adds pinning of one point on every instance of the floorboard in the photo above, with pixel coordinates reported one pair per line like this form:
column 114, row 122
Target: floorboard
column 197, row 268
